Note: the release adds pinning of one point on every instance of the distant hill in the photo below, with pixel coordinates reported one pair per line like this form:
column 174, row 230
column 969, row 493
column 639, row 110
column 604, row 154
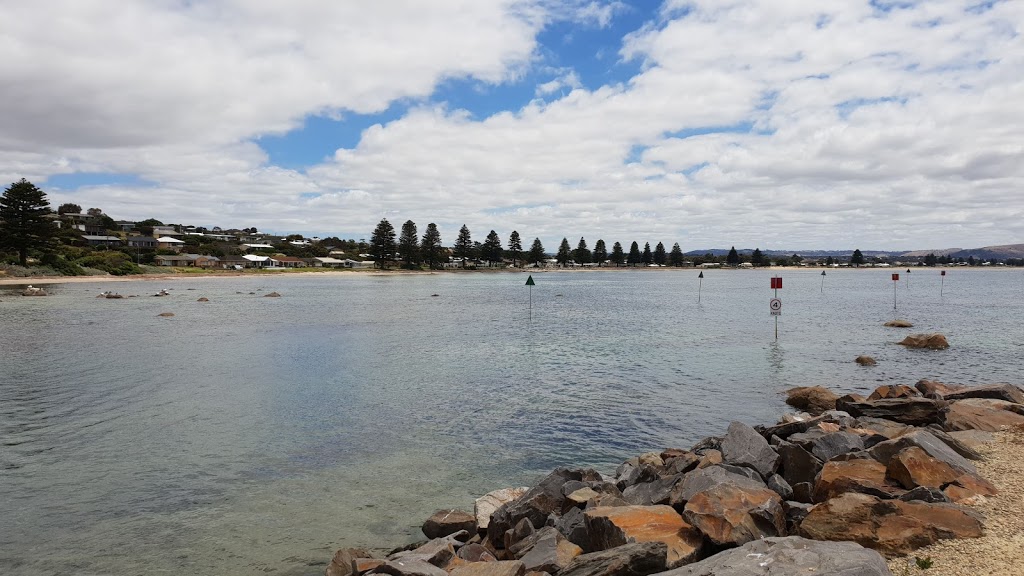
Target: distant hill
column 998, row 252
column 1002, row 252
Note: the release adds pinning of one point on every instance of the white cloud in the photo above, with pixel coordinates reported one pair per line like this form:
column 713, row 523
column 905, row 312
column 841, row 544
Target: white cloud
column 895, row 129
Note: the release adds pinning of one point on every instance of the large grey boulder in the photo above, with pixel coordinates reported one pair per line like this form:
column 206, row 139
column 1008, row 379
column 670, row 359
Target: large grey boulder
column 792, row 556
column 449, row 521
column 833, row 444
column 798, row 465
column 744, row 446
column 651, row 493
column 704, row 479
column 545, row 551
column 638, row 559
column 490, row 502
column 884, row 451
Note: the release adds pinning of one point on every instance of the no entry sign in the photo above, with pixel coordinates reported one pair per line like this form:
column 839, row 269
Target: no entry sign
column 776, row 283
column 895, row 277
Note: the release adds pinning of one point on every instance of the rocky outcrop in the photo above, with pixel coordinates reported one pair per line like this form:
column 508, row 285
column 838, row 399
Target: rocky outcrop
column 813, row 399
column 927, row 441
column 893, row 391
column 743, row 446
column 612, row 527
column 271, row 295
column 33, row 291
column 913, row 411
column 547, row 550
column 934, row 341
column 732, row 514
column 536, row 504
column 449, row 521
column 1005, row 392
column 983, row 414
column 638, row 559
column 892, row 527
column 861, row 476
column 503, row 568
column 933, row 389
column 490, row 502
column 913, row 467
column 790, row 556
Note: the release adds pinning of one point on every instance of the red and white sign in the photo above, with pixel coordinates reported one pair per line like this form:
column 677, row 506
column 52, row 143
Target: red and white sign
column 776, row 283
column 895, row 277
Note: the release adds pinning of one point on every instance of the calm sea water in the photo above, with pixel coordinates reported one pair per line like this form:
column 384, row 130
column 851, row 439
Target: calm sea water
column 253, row 434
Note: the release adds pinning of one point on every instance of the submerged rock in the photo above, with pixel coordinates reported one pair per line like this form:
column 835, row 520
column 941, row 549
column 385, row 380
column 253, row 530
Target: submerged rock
column 272, row 295
column 898, row 324
column 934, row 341
column 866, row 361
column 166, row 314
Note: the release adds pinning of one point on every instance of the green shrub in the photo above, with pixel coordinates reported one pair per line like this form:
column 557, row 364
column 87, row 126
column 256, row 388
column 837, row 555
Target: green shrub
column 62, row 266
column 112, row 262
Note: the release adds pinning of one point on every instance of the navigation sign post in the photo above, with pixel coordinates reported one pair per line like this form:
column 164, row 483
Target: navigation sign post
column 700, row 283
column 775, row 305
column 530, row 283
column 908, row 278
column 942, row 282
column 822, row 281
column 895, row 281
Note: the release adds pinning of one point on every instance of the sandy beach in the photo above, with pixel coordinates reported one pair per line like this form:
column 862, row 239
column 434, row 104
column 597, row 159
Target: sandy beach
column 1000, row 552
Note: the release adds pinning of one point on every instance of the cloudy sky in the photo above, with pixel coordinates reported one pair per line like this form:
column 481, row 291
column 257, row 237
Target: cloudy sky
column 780, row 124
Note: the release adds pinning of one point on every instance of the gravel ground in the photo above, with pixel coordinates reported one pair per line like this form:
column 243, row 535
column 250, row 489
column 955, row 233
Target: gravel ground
column 1001, row 551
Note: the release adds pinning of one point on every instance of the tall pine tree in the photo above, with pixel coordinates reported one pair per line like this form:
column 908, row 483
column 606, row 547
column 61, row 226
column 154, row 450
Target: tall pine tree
column 536, row 255
column 515, row 248
column 618, row 256
column 382, row 243
column 581, row 254
column 733, row 259
column 564, row 253
column 409, row 244
column 634, row 254
column 600, row 252
column 464, row 245
column 675, row 257
column 491, row 249
column 431, row 250
column 23, row 222
column 647, row 257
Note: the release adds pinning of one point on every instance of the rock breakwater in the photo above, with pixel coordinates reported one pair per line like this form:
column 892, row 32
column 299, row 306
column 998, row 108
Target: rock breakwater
column 830, row 492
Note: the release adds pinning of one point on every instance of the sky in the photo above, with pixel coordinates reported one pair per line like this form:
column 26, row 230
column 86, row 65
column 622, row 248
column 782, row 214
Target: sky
column 779, row 124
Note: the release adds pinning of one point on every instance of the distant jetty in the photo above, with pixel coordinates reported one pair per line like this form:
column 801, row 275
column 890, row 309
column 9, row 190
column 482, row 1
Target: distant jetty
column 839, row 488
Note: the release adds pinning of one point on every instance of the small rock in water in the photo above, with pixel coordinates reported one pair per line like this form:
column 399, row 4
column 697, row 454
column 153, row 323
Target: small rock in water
column 898, row 324
column 272, row 295
column 166, row 314
column 866, row 361
column 930, row 341
column 203, row 299
column 434, row 295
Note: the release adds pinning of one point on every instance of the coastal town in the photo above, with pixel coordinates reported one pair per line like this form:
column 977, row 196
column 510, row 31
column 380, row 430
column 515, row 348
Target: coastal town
column 71, row 242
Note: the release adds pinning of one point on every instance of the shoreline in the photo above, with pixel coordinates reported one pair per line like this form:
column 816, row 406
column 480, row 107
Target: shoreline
column 906, row 479
column 171, row 275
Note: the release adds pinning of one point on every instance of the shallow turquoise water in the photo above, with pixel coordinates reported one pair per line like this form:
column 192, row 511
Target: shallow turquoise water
column 258, row 434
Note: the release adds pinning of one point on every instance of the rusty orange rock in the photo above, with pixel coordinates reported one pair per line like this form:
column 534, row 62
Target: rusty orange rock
column 614, row 526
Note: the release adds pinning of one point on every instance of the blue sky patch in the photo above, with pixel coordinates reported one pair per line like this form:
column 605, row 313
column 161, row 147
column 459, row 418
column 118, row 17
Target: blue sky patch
column 85, row 179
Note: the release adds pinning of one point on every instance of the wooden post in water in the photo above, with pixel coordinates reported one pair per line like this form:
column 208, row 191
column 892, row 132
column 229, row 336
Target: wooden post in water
column 529, row 282
column 895, row 281
column 700, row 283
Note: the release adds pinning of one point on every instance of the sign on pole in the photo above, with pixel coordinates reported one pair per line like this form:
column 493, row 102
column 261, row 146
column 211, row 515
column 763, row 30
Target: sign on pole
column 700, row 283
column 942, row 281
column 895, row 280
column 822, row 281
column 775, row 305
column 530, row 283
